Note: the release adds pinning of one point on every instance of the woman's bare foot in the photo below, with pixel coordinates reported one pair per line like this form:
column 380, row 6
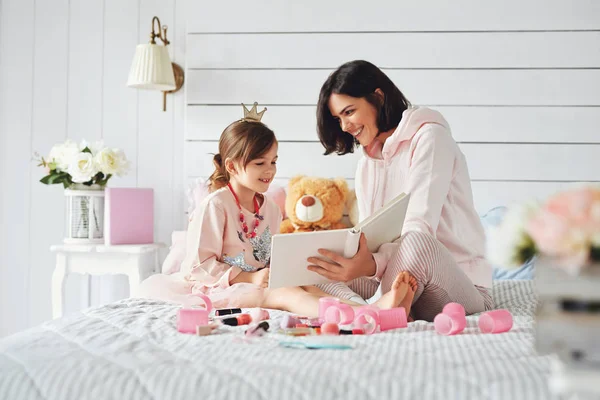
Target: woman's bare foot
column 409, row 297
column 400, row 295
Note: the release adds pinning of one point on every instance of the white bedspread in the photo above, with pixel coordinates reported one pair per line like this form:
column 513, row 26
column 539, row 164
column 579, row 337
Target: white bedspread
column 131, row 350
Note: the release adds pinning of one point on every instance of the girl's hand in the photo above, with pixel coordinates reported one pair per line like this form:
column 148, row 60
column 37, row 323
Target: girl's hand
column 345, row 269
column 259, row 278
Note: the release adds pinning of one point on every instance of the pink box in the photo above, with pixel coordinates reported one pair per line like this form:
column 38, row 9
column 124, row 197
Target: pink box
column 129, row 216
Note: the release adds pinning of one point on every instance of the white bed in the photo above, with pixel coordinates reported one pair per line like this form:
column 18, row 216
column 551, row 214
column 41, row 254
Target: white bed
column 131, row 350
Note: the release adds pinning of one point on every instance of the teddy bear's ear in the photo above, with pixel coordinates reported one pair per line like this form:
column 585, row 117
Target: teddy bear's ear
column 294, row 180
column 342, row 185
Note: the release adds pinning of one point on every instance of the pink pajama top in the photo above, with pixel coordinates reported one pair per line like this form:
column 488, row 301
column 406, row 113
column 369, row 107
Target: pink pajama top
column 217, row 251
column 422, row 158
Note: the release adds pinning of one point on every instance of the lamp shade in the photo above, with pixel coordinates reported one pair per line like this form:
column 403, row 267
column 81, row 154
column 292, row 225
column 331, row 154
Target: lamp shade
column 151, row 68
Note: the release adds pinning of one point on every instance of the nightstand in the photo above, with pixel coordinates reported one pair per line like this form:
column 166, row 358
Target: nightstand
column 136, row 261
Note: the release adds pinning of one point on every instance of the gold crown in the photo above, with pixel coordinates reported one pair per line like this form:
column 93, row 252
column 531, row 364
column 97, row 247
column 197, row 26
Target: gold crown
column 251, row 115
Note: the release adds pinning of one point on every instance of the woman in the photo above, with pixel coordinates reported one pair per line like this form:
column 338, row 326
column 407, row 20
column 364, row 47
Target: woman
column 405, row 149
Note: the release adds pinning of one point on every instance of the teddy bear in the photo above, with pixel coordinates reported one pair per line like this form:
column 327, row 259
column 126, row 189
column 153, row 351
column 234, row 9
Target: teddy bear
column 314, row 204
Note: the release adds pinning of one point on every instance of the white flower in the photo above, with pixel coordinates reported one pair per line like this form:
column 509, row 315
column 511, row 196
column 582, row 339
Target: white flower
column 112, row 161
column 508, row 242
column 62, row 154
column 94, row 147
column 82, row 168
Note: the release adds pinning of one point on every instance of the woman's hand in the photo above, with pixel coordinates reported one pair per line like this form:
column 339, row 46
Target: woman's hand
column 259, row 278
column 345, row 269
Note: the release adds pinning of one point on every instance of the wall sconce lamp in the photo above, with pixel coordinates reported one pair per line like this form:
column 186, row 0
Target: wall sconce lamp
column 152, row 67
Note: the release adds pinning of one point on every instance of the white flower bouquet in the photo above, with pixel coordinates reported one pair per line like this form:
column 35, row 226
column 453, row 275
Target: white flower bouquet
column 88, row 164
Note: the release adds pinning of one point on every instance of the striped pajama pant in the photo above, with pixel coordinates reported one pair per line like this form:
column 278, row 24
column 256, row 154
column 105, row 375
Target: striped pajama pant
column 440, row 279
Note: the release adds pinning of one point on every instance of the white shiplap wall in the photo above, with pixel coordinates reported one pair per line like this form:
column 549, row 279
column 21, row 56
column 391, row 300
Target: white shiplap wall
column 63, row 73
column 517, row 80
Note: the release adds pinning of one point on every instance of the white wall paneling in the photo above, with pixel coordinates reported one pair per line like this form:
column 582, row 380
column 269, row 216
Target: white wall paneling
column 16, row 96
column 49, row 126
column 385, row 16
column 396, row 49
column 516, row 81
column 63, row 74
column 469, row 124
column 436, row 87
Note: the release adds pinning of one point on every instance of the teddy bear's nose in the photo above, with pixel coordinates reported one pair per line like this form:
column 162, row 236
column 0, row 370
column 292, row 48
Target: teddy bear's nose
column 308, row 201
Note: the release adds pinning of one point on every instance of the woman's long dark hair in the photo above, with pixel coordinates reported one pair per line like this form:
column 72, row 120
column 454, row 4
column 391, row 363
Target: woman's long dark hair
column 358, row 79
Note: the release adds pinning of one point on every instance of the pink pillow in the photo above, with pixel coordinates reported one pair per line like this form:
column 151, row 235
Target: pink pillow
column 176, row 254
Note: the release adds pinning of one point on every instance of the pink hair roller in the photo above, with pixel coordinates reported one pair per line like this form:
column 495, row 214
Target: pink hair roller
column 339, row 314
column 324, row 304
column 449, row 324
column 207, row 303
column 454, row 308
column 392, row 319
column 362, row 318
column 189, row 318
column 497, row 321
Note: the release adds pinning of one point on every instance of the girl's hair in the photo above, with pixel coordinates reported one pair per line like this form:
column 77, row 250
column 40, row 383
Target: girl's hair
column 242, row 141
column 358, row 79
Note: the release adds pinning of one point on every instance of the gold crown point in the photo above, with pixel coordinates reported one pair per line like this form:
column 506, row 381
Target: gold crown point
column 253, row 114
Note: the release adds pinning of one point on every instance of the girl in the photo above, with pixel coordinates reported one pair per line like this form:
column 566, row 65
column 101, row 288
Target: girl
column 229, row 236
column 405, row 149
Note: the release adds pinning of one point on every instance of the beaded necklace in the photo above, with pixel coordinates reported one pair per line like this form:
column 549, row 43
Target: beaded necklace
column 243, row 219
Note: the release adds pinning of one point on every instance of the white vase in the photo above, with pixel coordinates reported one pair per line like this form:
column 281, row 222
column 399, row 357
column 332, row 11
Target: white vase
column 85, row 214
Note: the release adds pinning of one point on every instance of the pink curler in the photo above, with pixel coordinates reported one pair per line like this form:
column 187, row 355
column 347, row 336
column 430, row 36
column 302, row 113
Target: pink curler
column 325, row 303
column 496, row 321
column 363, row 315
column 392, row 319
column 329, row 328
column 207, row 303
column 339, row 314
column 449, row 324
column 454, row 308
column 189, row 318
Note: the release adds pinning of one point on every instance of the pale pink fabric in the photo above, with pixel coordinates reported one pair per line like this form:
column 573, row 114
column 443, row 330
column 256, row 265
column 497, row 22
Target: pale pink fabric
column 215, row 255
column 422, row 158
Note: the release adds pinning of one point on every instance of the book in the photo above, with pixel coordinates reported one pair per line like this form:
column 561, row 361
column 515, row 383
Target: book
column 128, row 216
column 290, row 251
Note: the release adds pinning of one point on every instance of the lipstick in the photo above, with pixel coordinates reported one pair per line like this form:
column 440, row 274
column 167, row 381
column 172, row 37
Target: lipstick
column 228, row 311
column 354, row 331
column 241, row 319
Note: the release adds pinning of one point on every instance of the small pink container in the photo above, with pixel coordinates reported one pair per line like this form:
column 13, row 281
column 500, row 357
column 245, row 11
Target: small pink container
column 189, row 318
column 496, row 321
column 367, row 317
column 449, row 324
column 392, row 319
column 207, row 302
column 339, row 314
column 324, row 304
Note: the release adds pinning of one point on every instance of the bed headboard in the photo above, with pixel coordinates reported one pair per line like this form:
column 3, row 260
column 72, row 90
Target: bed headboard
column 517, row 82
